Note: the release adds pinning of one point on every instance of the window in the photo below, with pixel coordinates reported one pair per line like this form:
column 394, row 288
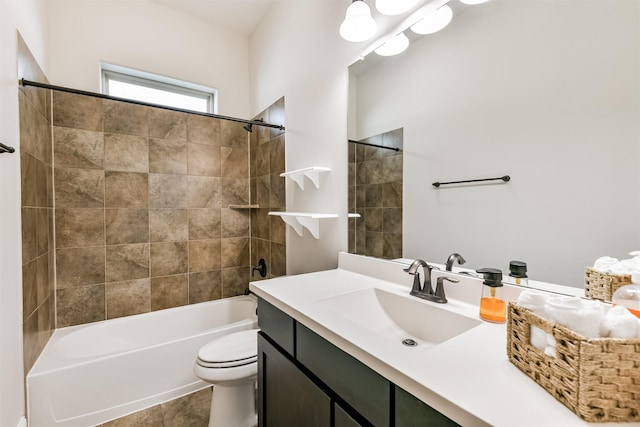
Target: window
column 146, row 87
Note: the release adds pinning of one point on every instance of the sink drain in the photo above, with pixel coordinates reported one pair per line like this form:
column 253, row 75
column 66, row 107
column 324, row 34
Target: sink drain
column 409, row 342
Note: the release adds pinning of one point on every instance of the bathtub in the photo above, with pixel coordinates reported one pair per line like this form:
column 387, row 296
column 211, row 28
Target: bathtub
column 93, row 373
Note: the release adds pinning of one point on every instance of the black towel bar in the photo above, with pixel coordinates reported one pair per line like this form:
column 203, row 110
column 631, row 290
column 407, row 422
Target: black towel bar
column 505, row 178
column 6, row 149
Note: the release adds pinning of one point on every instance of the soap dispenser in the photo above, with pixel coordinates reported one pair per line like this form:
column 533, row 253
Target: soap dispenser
column 629, row 295
column 518, row 270
column 492, row 304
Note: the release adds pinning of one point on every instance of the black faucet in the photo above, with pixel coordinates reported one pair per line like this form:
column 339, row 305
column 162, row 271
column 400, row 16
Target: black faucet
column 452, row 258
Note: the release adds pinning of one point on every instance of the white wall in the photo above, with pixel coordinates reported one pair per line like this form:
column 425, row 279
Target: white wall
column 150, row 37
column 547, row 92
column 28, row 17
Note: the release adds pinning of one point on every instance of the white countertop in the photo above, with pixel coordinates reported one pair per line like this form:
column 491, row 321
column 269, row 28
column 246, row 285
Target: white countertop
column 467, row 378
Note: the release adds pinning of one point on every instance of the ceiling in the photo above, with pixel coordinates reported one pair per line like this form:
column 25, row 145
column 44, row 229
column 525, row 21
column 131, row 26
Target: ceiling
column 240, row 16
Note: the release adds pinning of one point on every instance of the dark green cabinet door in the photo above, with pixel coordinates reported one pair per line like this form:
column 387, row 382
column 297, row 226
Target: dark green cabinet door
column 286, row 397
column 412, row 412
column 343, row 419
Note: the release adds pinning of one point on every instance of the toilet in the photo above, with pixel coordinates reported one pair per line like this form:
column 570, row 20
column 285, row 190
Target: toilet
column 230, row 363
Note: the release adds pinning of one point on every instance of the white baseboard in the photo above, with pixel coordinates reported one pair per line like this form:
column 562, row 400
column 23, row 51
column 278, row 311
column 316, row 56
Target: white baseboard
column 22, row 422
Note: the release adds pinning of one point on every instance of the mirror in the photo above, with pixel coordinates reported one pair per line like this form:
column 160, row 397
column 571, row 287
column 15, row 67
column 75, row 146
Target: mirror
column 547, row 92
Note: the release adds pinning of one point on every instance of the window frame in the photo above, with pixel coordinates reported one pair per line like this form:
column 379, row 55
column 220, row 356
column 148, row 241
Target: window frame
column 152, row 81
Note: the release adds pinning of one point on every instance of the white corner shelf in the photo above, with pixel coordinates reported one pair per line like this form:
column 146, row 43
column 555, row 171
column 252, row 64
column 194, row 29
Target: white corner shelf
column 313, row 173
column 308, row 220
column 353, row 215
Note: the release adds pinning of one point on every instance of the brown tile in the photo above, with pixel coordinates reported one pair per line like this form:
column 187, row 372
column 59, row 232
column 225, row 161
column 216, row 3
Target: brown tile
column 232, row 134
column 278, row 230
column 168, row 191
column 253, row 139
column 392, row 194
column 205, row 192
column 126, row 153
column 392, row 168
column 374, row 244
column 392, row 220
column 79, row 305
column 260, row 221
column 126, row 190
column 127, row 262
column 277, row 192
column 191, row 410
column 28, row 125
column 168, row 156
column 393, row 139
column 260, row 249
column 203, row 130
column 41, row 184
column 278, row 260
column 126, row 226
column 205, row 286
column 79, row 188
column 29, row 236
column 253, row 162
column 235, row 162
column 43, row 140
column 276, row 155
column 169, row 258
column 204, row 224
column 235, row 222
column 44, row 286
column 361, row 200
column 262, row 131
column 235, row 191
column 150, row 417
column 79, row 227
column 373, row 195
column 46, row 321
column 28, row 178
column 77, row 148
column 29, row 288
column 204, row 255
column 49, row 187
column 125, row 118
column 42, row 230
column 77, row 111
column 392, row 246
column 166, row 124
column 235, row 281
column 169, row 291
column 373, row 219
column 80, row 266
column 167, row 225
column 235, row 252
column 262, row 156
column 127, row 298
column 30, row 341
column 203, row 160
column 263, row 190
column 253, row 191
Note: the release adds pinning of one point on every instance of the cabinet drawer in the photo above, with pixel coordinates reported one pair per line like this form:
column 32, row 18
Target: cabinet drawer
column 411, row 411
column 277, row 325
column 362, row 388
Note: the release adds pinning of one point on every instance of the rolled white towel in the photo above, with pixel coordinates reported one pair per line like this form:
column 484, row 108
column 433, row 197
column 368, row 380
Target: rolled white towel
column 619, row 323
column 579, row 315
column 604, row 264
column 538, row 338
column 534, row 301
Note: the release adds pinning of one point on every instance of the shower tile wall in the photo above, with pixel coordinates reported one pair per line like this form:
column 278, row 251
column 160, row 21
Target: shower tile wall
column 375, row 192
column 37, row 213
column 142, row 211
column 268, row 192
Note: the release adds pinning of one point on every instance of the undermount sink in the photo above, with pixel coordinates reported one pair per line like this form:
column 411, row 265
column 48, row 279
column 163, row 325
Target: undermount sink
column 399, row 317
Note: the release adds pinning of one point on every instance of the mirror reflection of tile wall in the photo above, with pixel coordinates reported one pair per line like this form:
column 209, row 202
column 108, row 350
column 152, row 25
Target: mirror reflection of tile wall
column 375, row 192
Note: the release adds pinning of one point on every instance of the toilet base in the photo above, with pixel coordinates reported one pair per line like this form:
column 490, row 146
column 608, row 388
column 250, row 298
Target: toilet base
column 234, row 405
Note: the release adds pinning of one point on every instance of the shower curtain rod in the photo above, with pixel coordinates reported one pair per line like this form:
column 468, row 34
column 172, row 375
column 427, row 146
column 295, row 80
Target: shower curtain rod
column 24, row 82
column 374, row 145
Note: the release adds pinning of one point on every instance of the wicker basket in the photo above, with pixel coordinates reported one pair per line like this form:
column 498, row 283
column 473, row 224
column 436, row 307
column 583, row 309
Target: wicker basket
column 602, row 285
column 598, row 379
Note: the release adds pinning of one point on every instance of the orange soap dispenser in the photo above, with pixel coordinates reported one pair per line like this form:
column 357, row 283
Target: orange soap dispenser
column 492, row 304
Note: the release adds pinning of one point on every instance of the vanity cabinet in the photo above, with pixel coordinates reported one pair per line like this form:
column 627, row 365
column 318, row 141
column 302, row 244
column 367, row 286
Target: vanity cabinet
column 304, row 380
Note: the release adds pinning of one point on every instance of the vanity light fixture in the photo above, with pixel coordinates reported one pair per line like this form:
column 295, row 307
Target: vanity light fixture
column 433, row 21
column 358, row 25
column 394, row 7
column 394, row 46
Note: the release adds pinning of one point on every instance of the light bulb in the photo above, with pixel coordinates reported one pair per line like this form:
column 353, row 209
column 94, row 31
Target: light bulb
column 434, row 21
column 394, row 46
column 473, row 1
column 358, row 25
column 394, row 7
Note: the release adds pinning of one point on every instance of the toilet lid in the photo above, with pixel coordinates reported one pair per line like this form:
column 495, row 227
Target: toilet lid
column 236, row 349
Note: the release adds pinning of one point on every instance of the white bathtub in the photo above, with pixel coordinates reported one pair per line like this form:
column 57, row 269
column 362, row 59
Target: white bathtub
column 93, row 373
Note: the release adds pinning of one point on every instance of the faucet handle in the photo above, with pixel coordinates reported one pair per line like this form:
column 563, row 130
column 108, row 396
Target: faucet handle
column 441, row 298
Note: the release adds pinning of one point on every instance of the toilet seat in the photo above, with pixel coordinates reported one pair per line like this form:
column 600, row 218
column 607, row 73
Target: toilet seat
column 230, row 351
